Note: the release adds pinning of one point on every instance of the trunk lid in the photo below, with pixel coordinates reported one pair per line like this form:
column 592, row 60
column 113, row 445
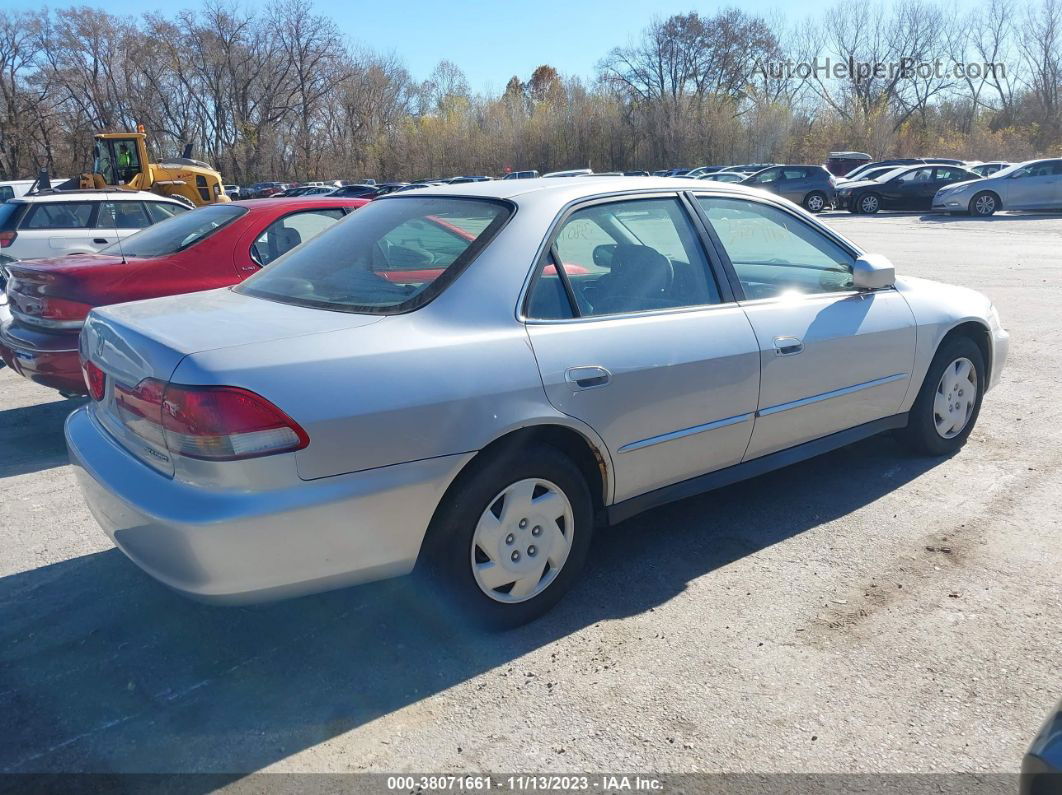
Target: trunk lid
column 148, row 339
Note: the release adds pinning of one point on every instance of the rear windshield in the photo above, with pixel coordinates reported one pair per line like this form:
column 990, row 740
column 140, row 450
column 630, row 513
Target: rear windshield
column 391, row 256
column 177, row 233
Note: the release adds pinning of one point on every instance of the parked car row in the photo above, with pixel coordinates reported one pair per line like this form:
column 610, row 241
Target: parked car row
column 49, row 294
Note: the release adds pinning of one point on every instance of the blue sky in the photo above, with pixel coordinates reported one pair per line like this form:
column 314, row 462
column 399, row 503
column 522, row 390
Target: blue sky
column 490, row 41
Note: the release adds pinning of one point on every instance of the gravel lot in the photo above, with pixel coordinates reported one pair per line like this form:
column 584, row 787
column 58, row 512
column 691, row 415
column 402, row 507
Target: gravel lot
column 864, row 611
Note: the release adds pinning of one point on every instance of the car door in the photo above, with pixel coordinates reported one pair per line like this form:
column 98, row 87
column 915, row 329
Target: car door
column 912, row 190
column 768, row 179
column 831, row 358
column 793, row 184
column 1036, row 186
column 61, row 227
column 117, row 220
column 636, row 336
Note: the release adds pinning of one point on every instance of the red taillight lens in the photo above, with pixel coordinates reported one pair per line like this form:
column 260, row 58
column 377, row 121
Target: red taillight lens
column 95, row 380
column 7, row 238
column 47, row 311
column 217, row 423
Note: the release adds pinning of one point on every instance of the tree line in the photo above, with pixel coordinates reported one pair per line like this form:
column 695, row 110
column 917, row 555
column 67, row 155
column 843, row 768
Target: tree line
column 279, row 93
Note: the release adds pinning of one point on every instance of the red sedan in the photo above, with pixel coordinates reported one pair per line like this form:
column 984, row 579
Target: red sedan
column 214, row 246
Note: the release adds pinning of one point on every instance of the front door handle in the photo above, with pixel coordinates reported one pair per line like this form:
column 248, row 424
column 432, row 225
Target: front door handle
column 587, row 377
column 787, row 346
column 99, row 240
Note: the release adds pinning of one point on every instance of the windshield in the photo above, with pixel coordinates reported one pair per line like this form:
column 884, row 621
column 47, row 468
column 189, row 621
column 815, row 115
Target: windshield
column 390, row 256
column 894, row 172
column 1008, row 170
column 177, row 233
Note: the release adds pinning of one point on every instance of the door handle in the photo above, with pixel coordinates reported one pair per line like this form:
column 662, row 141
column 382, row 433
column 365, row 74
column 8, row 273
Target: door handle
column 787, row 346
column 99, row 240
column 587, row 377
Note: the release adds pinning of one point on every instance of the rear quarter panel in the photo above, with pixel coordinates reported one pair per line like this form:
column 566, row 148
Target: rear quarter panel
column 408, row 388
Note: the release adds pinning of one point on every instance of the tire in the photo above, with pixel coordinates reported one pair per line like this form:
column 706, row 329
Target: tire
column 461, row 534
column 928, row 431
column 815, row 202
column 868, row 203
column 984, row 204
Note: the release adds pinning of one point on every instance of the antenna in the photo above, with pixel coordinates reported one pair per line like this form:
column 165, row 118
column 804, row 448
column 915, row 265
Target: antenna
column 114, row 222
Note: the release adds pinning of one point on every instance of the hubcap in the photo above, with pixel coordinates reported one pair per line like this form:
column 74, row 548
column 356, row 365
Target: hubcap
column 522, row 540
column 953, row 404
column 870, row 204
column 815, row 203
column 985, row 205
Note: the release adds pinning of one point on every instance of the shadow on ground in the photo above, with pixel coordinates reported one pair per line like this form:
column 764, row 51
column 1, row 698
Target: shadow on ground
column 31, row 437
column 104, row 670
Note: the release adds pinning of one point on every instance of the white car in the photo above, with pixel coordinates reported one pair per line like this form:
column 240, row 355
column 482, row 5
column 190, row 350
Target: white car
column 57, row 223
column 14, row 188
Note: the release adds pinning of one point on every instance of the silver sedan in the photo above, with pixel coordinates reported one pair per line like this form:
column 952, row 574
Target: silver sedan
column 1032, row 185
column 471, row 379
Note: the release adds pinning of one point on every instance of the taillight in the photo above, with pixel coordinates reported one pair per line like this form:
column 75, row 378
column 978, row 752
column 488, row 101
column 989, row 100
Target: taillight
column 216, row 423
column 95, row 379
column 47, row 311
column 7, row 238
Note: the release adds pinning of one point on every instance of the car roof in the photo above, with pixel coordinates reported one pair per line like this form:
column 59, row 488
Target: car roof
column 297, row 202
column 82, row 195
column 569, row 189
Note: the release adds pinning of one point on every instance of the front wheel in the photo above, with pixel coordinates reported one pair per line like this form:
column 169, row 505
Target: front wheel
column 511, row 536
column 946, row 409
column 869, row 203
column 984, row 204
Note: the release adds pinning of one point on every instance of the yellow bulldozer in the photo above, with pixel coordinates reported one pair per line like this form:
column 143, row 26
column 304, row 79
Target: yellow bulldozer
column 120, row 160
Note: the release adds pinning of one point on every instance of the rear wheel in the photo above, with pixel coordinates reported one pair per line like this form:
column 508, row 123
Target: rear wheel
column 984, row 204
column 946, row 409
column 815, row 202
column 511, row 536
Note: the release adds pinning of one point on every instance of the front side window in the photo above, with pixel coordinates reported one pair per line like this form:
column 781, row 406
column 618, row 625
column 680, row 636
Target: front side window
column 775, row 253
column 178, row 233
column 627, row 256
column 916, row 176
column 160, row 211
column 60, row 215
column 285, row 233
column 390, row 256
column 764, row 177
column 122, row 215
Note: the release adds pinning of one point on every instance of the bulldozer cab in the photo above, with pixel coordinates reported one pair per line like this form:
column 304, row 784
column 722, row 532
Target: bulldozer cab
column 119, row 159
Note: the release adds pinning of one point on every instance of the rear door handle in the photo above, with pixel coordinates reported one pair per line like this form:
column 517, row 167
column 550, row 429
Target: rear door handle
column 99, row 240
column 587, row 377
column 787, row 346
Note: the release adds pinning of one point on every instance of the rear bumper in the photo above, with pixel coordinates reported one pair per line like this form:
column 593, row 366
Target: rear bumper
column 242, row 547
column 48, row 359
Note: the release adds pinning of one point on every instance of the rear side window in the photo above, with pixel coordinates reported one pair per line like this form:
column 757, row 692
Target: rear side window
column 390, row 256
column 60, row 215
column 637, row 255
column 285, row 233
column 6, row 192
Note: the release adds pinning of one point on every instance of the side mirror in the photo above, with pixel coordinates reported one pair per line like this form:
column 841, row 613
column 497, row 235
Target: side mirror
column 873, row 272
